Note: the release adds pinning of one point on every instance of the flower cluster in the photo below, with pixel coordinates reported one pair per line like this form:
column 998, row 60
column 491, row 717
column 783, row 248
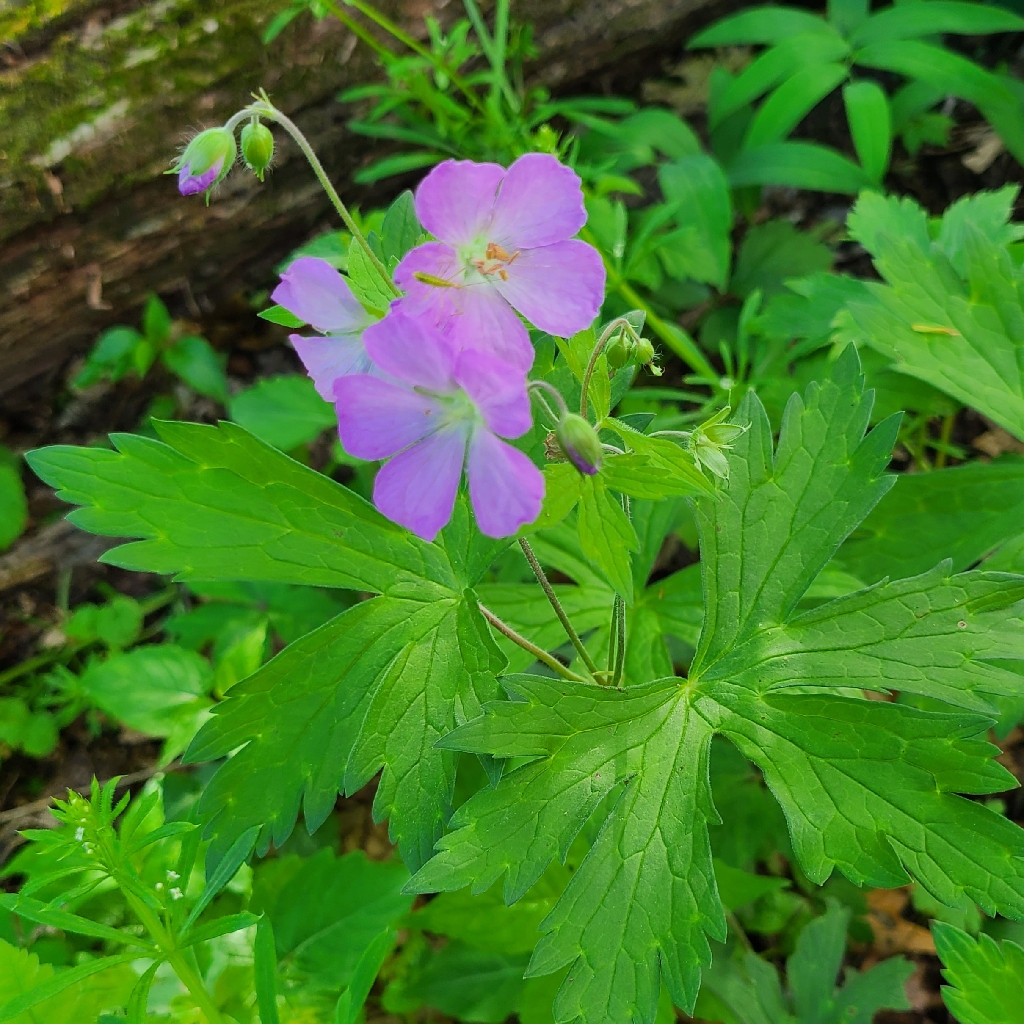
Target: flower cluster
column 439, row 386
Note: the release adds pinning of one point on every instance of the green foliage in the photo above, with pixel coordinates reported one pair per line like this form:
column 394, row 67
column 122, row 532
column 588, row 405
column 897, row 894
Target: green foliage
column 284, row 411
column 808, row 56
column 951, row 313
column 329, row 921
column 986, row 978
column 122, row 350
column 879, row 820
column 751, row 990
column 13, row 504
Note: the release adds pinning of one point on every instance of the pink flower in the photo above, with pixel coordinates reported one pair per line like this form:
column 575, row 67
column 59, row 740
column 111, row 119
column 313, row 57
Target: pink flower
column 442, row 412
column 315, row 292
column 505, row 245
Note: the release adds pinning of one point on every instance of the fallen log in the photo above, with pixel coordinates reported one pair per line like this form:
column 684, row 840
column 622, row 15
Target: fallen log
column 95, row 99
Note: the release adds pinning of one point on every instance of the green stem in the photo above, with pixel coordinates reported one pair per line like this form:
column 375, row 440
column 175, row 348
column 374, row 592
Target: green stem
column 620, row 651
column 185, row 972
column 945, row 435
column 610, row 328
column 549, row 592
column 541, row 655
column 359, row 32
column 264, row 108
column 407, row 40
column 680, row 343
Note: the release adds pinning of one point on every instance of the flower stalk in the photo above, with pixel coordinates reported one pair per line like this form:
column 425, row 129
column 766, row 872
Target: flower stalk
column 549, row 592
column 264, row 108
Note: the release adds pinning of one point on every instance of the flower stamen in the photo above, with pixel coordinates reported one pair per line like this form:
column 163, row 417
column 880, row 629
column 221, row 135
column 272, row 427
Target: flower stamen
column 495, row 260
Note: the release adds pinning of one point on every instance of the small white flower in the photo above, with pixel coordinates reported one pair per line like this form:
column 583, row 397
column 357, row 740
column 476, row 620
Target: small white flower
column 79, row 834
column 173, row 876
column 176, row 893
column 158, row 886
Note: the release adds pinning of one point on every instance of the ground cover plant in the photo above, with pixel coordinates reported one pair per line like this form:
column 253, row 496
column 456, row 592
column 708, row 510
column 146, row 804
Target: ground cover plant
column 607, row 581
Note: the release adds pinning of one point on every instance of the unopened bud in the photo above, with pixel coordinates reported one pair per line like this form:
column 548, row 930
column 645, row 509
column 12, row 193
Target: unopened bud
column 205, row 161
column 618, row 351
column 257, row 147
column 580, row 443
column 644, row 352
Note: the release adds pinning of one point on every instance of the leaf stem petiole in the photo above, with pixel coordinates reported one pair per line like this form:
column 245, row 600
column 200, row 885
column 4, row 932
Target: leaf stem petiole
column 541, row 655
column 549, row 592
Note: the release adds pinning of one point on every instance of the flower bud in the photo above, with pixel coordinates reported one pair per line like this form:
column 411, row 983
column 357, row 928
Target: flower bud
column 580, row 443
column 644, row 352
column 205, row 162
column 257, row 147
column 618, row 351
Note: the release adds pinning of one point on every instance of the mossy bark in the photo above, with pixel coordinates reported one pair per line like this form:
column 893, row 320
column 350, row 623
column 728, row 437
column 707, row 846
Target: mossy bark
column 95, row 97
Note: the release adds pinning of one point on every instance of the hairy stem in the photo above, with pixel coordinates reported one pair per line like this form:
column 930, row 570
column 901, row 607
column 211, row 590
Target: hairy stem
column 264, row 108
column 541, row 655
column 618, row 322
column 620, row 647
column 549, row 592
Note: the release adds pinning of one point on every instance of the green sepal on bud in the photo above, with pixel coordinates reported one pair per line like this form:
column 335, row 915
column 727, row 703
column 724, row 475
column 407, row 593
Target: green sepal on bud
column 710, row 441
column 579, row 443
column 205, row 162
column 257, row 147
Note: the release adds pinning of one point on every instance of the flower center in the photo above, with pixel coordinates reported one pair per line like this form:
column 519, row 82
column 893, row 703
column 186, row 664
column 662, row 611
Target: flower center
column 494, row 261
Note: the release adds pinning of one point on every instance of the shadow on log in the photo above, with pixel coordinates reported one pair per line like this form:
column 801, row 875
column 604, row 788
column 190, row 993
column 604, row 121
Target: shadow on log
column 95, row 100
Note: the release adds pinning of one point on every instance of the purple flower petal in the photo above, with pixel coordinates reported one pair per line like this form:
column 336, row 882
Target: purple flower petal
column 483, row 321
column 417, row 488
column 506, row 488
column 558, row 288
column 190, row 184
column 432, row 302
column 411, row 350
column 315, row 292
column 377, row 418
column 472, row 316
column 454, row 201
column 497, row 390
column 327, row 359
column 540, row 202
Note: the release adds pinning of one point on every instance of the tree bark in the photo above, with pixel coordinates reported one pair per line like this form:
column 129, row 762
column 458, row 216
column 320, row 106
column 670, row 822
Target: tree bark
column 95, row 100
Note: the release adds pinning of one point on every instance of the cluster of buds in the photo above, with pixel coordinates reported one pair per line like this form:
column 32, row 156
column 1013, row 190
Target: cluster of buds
column 626, row 346
column 207, row 160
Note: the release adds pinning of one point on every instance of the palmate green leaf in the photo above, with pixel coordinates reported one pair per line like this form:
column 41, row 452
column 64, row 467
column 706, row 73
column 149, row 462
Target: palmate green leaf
column 375, row 688
column 986, row 978
column 372, row 689
column 960, row 332
column 963, row 514
column 868, row 787
column 214, row 503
